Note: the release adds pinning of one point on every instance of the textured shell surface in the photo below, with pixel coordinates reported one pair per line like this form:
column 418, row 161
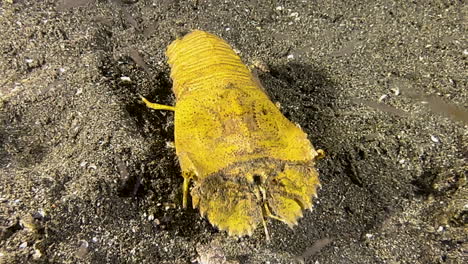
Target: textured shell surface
column 247, row 162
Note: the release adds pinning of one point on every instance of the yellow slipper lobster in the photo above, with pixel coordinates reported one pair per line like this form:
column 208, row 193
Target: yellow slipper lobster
column 247, row 161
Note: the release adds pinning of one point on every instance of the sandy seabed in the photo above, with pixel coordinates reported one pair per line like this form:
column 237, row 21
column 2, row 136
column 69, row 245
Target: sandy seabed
column 87, row 174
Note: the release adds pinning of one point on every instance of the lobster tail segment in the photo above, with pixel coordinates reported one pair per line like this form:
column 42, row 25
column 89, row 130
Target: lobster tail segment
column 201, row 60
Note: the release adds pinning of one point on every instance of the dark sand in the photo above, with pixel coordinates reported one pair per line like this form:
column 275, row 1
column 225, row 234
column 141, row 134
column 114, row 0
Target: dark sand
column 87, row 175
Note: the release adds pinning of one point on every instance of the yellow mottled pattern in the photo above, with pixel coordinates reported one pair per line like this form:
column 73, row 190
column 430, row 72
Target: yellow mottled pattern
column 246, row 160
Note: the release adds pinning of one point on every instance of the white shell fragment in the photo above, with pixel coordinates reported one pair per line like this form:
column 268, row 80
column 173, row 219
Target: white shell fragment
column 435, row 139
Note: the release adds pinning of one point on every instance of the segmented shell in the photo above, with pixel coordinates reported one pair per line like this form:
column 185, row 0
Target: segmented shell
column 246, row 160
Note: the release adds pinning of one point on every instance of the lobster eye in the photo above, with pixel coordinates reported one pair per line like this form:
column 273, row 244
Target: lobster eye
column 257, row 179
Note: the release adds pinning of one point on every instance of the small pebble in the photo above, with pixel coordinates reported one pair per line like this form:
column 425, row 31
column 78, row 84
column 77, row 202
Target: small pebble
column 83, row 249
column 125, row 79
column 396, row 91
column 37, row 254
column 383, row 97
